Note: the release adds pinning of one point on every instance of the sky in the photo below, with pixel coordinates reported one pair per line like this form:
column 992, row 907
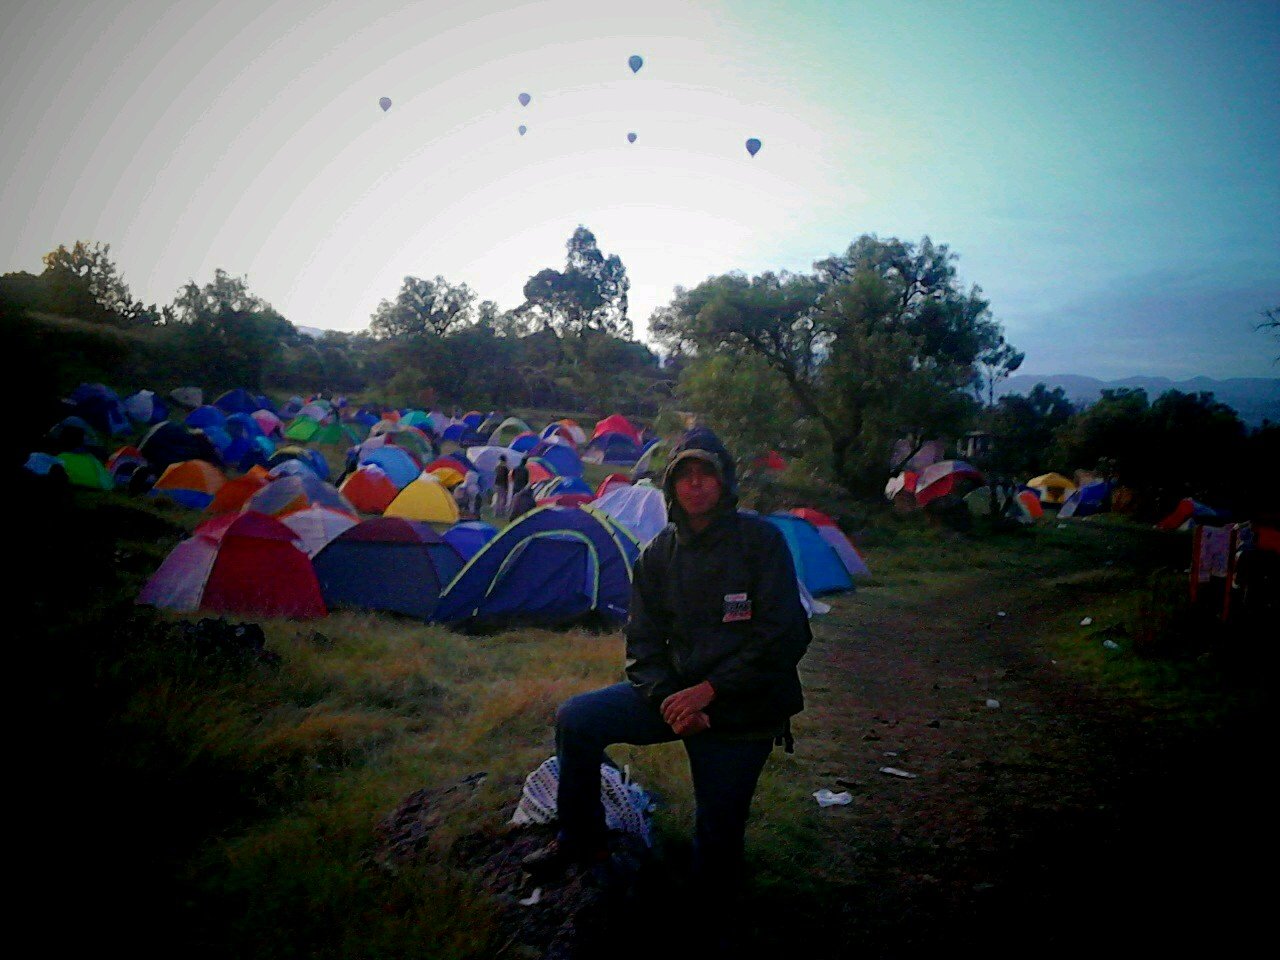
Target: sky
column 1107, row 172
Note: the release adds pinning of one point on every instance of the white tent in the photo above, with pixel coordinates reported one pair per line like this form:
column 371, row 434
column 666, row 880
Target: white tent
column 640, row 508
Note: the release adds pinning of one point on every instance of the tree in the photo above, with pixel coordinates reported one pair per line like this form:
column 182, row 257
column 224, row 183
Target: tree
column 84, row 282
column 1109, row 437
column 1271, row 321
column 423, row 308
column 878, row 343
column 996, row 362
column 1023, row 428
column 227, row 334
column 589, row 295
column 747, row 403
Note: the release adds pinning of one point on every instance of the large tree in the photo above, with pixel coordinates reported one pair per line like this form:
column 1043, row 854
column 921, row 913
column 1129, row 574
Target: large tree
column 226, row 335
column 423, row 308
column 879, row 343
column 588, row 296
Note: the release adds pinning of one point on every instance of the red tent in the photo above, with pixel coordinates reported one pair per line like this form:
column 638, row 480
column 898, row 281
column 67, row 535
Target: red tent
column 945, row 477
column 610, row 482
column 617, row 424
column 241, row 563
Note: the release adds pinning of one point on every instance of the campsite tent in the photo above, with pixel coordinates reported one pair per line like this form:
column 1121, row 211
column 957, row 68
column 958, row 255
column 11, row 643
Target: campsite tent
column 553, row 565
column 369, row 489
column 1051, row 487
column 469, row 537
column 563, row 458
column 124, row 463
column 316, row 526
column 424, row 499
column 616, row 423
column 268, row 423
column 302, row 428
column 145, row 407
column 613, row 448
column 524, row 442
column 192, row 483
column 1186, row 512
column 205, row 417
column 507, row 431
column 387, row 563
column 100, row 406
column 86, row 470
column 170, row 442
column 610, row 482
column 234, row 494
column 1086, row 500
column 285, row 495
column 841, row 544
column 640, row 508
column 653, row 462
column 939, row 481
column 239, row 563
column 241, row 401
column 817, row 565
column 395, row 462
column 312, row 460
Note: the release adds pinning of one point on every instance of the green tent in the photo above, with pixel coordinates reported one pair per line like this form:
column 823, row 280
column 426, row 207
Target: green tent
column 302, row 428
column 335, row 433
column 85, row 470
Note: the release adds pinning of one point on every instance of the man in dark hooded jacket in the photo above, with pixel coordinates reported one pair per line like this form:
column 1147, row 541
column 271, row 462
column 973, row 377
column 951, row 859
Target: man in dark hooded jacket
column 715, row 632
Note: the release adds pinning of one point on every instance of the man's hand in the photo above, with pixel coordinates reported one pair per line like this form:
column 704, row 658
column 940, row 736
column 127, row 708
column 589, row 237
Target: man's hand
column 694, row 723
column 684, row 703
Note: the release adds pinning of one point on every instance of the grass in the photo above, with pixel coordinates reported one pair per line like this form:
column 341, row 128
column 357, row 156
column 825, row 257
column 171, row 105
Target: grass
column 243, row 795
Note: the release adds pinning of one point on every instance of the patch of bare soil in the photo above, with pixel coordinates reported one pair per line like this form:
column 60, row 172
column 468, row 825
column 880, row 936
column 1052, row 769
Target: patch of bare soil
column 1043, row 813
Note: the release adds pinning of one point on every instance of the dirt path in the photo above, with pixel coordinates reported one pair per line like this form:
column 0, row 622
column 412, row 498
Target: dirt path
column 1066, row 814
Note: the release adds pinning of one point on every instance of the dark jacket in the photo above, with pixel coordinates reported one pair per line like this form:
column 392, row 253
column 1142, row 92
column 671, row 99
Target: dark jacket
column 721, row 605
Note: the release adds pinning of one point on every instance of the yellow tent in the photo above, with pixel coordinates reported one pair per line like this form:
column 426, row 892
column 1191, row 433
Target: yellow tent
column 446, row 475
column 424, row 499
column 1052, row 487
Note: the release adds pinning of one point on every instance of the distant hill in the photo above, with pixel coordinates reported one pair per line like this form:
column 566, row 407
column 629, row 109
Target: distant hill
column 315, row 333
column 1254, row 398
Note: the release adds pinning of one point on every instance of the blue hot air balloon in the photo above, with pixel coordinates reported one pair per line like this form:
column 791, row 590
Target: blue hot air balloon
column 753, row 146
column 631, row 138
column 635, row 61
column 523, row 129
column 385, row 104
column 524, row 99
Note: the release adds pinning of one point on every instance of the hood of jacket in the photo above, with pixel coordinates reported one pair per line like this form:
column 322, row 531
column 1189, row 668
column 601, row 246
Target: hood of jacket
column 702, row 444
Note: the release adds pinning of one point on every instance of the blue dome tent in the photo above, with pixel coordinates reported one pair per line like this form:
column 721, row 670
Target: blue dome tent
column 554, row 565
column 817, row 564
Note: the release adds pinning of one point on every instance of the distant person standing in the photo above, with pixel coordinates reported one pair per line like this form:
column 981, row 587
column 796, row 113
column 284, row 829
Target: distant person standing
column 520, row 476
column 501, row 487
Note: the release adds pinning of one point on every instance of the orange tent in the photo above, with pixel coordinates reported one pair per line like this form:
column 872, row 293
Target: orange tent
column 231, row 496
column 369, row 490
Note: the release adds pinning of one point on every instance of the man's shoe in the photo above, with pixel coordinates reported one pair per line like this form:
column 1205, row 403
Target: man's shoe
column 555, row 859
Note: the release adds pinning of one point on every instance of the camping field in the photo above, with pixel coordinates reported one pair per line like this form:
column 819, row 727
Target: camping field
column 1072, row 784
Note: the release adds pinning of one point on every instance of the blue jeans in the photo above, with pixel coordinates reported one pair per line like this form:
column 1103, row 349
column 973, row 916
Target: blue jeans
column 724, row 772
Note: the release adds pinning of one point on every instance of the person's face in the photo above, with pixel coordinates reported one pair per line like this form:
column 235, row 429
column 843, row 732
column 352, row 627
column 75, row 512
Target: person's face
column 698, row 488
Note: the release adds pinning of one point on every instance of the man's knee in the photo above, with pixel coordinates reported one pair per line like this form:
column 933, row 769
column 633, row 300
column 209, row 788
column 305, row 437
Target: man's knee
column 572, row 717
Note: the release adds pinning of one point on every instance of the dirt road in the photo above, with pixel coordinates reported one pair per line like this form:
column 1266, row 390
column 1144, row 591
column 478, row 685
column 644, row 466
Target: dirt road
column 1044, row 812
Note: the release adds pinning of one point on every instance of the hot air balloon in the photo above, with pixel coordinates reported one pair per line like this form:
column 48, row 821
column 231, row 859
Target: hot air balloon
column 635, row 61
column 524, row 99
column 523, row 129
column 385, row 104
column 753, row 146
column 631, row 138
